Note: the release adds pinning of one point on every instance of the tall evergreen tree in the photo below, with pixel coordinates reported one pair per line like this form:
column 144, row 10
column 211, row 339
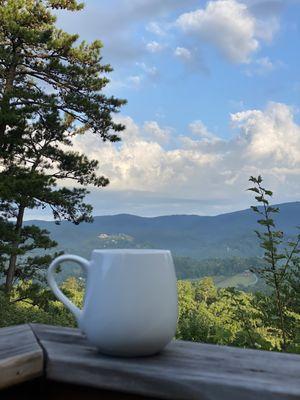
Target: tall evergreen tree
column 50, row 91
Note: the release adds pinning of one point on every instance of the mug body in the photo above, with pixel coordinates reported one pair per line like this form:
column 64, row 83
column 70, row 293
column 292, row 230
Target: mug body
column 130, row 306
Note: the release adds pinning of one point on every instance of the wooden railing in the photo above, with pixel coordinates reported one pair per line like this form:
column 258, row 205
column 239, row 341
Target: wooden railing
column 60, row 364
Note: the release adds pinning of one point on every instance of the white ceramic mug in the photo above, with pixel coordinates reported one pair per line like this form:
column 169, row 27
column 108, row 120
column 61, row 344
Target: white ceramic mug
column 130, row 305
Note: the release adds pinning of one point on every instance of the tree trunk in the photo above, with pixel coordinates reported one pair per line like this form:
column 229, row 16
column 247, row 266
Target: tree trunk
column 5, row 105
column 13, row 258
column 280, row 308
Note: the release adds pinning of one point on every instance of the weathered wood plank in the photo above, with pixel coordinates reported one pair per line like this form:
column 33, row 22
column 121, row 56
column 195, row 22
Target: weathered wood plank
column 52, row 390
column 21, row 357
column 183, row 371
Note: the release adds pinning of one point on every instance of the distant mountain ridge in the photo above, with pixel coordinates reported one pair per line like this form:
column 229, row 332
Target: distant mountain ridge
column 200, row 237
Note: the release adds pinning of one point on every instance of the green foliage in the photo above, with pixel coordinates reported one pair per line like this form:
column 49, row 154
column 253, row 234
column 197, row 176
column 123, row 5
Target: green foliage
column 189, row 268
column 206, row 314
column 281, row 271
column 30, row 302
column 19, row 311
column 270, row 320
column 225, row 316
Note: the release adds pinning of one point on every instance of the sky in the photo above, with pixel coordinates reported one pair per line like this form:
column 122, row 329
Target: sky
column 213, row 91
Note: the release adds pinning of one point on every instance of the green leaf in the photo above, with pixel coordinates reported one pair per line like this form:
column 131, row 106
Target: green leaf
column 268, row 192
column 254, row 189
column 266, row 222
column 272, row 209
column 252, row 179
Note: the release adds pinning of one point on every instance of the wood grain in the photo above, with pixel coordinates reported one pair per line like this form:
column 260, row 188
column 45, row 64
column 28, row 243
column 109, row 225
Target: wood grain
column 183, row 371
column 21, row 357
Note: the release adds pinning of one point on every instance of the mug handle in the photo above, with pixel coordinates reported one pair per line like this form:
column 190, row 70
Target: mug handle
column 52, row 283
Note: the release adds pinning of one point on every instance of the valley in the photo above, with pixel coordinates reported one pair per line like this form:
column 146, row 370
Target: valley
column 223, row 246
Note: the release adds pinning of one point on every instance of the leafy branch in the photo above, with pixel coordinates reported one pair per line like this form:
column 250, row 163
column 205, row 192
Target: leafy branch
column 279, row 258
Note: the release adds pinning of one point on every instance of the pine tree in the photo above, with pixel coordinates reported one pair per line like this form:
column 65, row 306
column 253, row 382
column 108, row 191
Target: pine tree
column 51, row 89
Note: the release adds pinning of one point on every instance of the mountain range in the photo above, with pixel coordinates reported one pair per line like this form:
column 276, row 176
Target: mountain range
column 199, row 237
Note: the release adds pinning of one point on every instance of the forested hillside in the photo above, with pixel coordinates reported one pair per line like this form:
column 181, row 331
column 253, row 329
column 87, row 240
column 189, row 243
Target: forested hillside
column 223, row 236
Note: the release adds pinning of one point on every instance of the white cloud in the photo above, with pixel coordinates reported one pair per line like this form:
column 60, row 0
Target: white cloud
column 150, row 71
column 135, row 80
column 266, row 28
column 141, row 162
column 114, row 21
column 230, row 27
column 183, row 53
column 155, row 133
column 270, row 137
column 266, row 63
column 204, row 166
column 263, row 66
column 156, row 28
column 199, row 129
column 154, row 47
column 192, row 59
column 145, row 74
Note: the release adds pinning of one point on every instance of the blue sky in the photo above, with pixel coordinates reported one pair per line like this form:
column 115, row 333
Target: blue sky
column 213, row 90
column 182, row 91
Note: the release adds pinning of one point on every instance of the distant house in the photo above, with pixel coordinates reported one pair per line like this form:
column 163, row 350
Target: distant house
column 103, row 236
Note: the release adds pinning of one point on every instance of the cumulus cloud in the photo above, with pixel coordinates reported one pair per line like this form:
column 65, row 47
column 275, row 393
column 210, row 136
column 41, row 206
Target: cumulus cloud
column 147, row 74
column 230, row 27
column 135, row 80
column 99, row 19
column 265, row 63
column 156, row 28
column 141, row 162
column 152, row 71
column 191, row 58
column 203, row 166
column 271, row 137
column 262, row 66
column 199, row 129
column 155, row 133
column 154, row 47
column 183, row 53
